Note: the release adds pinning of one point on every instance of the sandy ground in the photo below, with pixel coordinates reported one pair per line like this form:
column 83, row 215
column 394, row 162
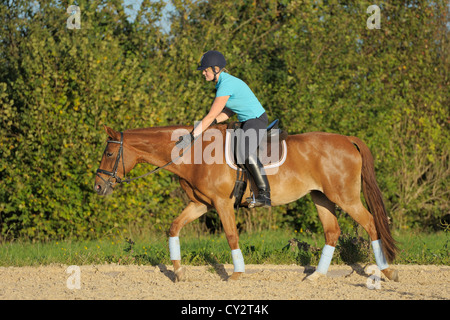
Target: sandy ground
column 267, row 282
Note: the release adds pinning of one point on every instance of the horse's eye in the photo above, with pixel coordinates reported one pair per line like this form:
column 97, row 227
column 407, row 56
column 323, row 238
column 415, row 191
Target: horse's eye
column 109, row 154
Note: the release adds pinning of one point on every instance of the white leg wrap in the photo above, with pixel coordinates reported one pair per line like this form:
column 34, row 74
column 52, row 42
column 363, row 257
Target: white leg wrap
column 174, row 248
column 325, row 259
column 379, row 255
column 238, row 260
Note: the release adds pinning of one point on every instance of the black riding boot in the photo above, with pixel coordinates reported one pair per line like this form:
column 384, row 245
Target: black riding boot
column 256, row 170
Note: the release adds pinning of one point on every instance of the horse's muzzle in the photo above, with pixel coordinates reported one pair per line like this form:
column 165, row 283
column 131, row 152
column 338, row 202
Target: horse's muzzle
column 103, row 189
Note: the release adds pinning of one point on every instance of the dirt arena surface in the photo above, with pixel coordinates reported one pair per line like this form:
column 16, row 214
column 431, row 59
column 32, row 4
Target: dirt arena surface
column 260, row 282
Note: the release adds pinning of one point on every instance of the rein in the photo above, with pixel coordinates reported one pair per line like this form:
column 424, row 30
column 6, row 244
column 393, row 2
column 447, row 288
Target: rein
column 113, row 173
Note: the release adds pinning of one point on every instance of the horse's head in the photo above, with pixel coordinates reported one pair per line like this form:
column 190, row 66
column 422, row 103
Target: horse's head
column 116, row 162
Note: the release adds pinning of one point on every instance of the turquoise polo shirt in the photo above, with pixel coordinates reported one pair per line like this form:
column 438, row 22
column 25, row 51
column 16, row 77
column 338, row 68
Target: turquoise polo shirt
column 242, row 100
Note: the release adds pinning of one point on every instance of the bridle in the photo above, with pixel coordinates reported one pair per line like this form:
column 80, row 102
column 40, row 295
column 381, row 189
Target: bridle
column 113, row 173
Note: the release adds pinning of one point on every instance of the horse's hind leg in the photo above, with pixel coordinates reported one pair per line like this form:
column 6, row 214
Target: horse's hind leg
column 326, row 211
column 189, row 214
column 361, row 215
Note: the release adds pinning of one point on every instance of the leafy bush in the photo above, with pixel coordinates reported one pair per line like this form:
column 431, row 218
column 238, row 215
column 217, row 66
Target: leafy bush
column 314, row 65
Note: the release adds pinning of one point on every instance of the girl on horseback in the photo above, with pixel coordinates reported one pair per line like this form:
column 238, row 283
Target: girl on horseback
column 233, row 96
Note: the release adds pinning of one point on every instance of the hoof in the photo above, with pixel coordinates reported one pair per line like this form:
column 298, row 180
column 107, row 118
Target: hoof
column 235, row 276
column 179, row 274
column 316, row 275
column 391, row 274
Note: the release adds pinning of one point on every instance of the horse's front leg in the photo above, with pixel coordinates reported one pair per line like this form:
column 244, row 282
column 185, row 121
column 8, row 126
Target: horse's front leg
column 227, row 217
column 189, row 214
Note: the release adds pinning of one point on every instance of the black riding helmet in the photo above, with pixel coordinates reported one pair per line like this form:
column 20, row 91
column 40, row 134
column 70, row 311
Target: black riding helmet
column 212, row 58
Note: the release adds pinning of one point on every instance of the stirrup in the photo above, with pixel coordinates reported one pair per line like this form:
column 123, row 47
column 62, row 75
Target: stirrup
column 263, row 200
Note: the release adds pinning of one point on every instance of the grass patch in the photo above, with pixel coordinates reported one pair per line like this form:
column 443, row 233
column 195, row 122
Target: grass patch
column 269, row 247
column 422, row 248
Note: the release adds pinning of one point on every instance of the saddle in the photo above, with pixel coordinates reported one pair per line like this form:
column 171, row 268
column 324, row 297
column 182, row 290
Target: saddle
column 272, row 153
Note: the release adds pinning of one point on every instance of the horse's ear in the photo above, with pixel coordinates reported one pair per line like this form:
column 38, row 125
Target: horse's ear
column 113, row 134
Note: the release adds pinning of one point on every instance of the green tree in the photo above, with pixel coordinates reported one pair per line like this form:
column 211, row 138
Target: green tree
column 315, row 65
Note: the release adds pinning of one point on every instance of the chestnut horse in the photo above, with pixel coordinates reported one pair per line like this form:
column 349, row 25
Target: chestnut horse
column 330, row 167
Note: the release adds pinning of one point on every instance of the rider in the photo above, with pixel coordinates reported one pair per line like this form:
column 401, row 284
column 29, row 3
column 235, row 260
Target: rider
column 234, row 96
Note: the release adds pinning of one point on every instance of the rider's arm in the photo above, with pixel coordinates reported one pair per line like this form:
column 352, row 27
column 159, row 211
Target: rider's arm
column 224, row 115
column 216, row 109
